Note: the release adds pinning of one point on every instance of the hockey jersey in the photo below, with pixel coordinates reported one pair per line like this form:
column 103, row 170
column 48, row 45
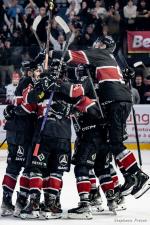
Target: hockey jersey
column 108, row 74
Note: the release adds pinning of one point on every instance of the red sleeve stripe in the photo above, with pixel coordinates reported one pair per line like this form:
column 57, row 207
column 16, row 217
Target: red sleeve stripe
column 26, row 92
column 108, row 73
column 78, row 57
column 18, row 100
column 86, row 108
column 76, row 90
column 84, row 104
column 26, row 108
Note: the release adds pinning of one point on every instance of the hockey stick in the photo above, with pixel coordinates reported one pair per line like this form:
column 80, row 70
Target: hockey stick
column 3, row 143
column 37, row 146
column 52, row 93
column 124, row 62
column 34, row 28
column 97, row 99
column 63, row 24
column 140, row 63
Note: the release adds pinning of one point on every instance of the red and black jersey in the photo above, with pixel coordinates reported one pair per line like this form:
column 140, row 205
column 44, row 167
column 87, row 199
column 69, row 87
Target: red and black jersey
column 107, row 71
column 23, row 84
column 21, row 93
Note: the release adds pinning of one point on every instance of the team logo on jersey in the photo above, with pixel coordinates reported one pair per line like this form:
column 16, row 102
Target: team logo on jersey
column 20, row 151
column 93, row 157
column 41, row 157
column 63, row 160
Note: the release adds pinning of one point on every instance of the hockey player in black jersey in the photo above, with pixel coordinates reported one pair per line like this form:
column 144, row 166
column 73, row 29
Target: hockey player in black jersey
column 91, row 141
column 19, row 129
column 117, row 100
column 54, row 154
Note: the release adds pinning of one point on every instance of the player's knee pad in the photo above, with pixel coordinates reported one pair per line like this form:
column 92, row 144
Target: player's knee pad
column 81, row 171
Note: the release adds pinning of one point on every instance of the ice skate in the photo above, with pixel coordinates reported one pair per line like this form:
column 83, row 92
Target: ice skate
column 21, row 202
column 128, row 185
column 32, row 210
column 142, row 184
column 83, row 211
column 51, row 209
column 120, row 200
column 96, row 202
column 111, row 203
column 7, row 208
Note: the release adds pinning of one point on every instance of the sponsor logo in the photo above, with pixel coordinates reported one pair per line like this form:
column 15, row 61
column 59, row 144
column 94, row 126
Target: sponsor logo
column 88, row 127
column 20, row 159
column 139, row 41
column 41, row 157
column 63, row 160
column 20, row 152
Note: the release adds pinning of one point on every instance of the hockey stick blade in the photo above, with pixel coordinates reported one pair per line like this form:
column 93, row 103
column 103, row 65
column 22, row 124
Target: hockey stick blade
column 63, row 24
column 140, row 63
column 36, row 22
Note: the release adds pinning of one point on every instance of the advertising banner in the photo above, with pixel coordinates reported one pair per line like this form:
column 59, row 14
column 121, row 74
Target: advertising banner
column 138, row 41
column 142, row 118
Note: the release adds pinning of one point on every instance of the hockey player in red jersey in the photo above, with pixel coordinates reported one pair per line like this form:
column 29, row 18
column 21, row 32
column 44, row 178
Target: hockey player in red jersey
column 19, row 130
column 116, row 98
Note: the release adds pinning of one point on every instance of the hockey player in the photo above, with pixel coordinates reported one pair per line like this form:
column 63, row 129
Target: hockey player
column 90, row 141
column 54, row 154
column 117, row 100
column 19, row 128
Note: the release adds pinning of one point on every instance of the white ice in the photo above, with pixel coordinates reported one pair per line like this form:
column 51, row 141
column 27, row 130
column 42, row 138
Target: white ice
column 138, row 210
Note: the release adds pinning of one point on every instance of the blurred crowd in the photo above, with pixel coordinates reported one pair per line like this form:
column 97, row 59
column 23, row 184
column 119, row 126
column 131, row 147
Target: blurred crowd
column 87, row 19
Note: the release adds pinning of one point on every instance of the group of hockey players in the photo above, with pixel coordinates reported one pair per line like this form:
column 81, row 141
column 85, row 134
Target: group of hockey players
column 90, row 91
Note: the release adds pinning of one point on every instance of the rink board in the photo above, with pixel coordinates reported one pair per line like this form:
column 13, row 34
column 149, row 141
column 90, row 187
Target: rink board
column 143, row 124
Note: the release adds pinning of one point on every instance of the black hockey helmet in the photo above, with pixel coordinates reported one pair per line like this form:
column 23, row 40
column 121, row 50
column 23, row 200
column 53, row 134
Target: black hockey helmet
column 108, row 41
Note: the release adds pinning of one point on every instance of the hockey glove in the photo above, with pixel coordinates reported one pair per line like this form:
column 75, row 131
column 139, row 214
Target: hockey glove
column 9, row 112
column 128, row 73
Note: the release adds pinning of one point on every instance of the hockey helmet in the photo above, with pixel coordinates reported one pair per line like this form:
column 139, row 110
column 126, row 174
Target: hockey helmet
column 107, row 40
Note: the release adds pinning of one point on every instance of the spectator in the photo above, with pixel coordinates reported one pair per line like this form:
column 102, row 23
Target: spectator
column 10, row 89
column 15, row 10
column 135, row 96
column 84, row 13
column 59, row 44
column 139, row 84
column 113, row 22
column 31, row 8
column 6, row 65
column 89, row 37
column 143, row 15
column 129, row 12
column 147, row 90
column 100, row 10
column 42, row 27
column 74, row 6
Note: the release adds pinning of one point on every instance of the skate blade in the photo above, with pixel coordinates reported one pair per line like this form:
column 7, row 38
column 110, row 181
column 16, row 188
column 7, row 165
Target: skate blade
column 96, row 210
column 127, row 192
column 17, row 213
column 121, row 208
column 34, row 215
column 114, row 211
column 50, row 215
column 145, row 188
column 5, row 214
column 80, row 216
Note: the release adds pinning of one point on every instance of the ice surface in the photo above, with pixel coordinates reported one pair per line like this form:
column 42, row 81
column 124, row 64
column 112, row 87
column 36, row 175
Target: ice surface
column 138, row 211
